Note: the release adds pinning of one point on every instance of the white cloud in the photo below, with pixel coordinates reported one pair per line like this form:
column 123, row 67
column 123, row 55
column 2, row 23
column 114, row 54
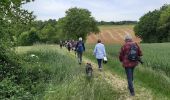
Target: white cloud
column 108, row 10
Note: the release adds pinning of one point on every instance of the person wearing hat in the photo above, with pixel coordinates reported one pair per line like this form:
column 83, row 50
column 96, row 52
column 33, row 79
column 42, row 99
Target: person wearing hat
column 80, row 48
column 100, row 53
column 128, row 63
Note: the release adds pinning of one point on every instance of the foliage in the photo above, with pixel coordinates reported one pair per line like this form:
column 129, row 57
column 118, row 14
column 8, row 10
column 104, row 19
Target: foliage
column 28, row 38
column 117, row 23
column 48, row 31
column 154, row 26
column 146, row 27
column 11, row 17
column 164, row 25
column 79, row 23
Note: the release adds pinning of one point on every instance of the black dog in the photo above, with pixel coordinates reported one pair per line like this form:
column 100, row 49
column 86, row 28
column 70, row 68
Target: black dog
column 89, row 69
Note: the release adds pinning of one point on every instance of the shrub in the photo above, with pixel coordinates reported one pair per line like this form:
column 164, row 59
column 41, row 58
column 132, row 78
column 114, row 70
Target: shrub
column 28, row 38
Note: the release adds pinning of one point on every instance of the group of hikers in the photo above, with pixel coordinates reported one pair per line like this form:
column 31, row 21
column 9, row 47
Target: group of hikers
column 129, row 56
column 77, row 46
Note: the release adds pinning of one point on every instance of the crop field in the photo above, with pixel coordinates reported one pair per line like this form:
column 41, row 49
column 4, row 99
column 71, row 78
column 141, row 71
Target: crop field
column 110, row 34
column 57, row 76
column 154, row 73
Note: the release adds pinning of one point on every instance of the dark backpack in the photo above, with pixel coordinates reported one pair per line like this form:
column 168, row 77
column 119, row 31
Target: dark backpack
column 80, row 47
column 133, row 53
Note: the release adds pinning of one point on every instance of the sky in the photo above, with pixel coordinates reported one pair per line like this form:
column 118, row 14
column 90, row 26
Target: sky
column 101, row 10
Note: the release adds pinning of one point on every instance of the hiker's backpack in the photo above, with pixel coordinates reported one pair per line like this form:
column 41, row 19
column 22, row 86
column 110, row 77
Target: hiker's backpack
column 80, row 47
column 133, row 53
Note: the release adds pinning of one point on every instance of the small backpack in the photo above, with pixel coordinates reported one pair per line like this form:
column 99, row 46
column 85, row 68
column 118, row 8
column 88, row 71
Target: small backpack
column 133, row 53
column 80, row 47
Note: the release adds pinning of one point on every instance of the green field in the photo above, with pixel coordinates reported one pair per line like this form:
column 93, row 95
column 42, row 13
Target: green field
column 57, row 75
column 153, row 74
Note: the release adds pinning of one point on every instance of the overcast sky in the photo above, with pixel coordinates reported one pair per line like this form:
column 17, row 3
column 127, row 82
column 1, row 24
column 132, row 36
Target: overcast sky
column 107, row 10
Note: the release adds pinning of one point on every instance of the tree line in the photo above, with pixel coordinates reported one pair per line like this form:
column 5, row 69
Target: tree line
column 116, row 23
column 154, row 26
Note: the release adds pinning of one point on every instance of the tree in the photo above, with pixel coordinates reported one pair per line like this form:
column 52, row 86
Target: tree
column 28, row 37
column 47, row 33
column 155, row 26
column 10, row 15
column 164, row 25
column 146, row 27
column 79, row 23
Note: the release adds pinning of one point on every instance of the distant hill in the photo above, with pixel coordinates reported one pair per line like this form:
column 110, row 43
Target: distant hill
column 113, row 34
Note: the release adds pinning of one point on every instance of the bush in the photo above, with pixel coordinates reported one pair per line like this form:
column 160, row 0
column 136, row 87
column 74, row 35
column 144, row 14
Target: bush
column 28, row 38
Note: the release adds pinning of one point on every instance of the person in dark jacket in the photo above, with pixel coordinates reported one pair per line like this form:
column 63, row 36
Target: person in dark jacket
column 129, row 65
column 80, row 48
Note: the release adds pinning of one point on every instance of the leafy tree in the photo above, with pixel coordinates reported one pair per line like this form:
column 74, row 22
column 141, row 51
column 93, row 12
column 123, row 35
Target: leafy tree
column 28, row 37
column 146, row 27
column 47, row 33
column 79, row 23
column 164, row 25
column 11, row 15
column 155, row 26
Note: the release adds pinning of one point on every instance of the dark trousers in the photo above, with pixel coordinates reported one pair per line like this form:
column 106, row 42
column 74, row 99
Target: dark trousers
column 99, row 63
column 129, row 73
column 79, row 55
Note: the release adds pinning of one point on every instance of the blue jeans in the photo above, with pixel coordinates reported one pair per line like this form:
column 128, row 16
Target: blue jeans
column 99, row 63
column 129, row 73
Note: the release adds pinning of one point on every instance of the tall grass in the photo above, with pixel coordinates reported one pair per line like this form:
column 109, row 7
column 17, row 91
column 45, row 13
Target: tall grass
column 63, row 78
column 154, row 74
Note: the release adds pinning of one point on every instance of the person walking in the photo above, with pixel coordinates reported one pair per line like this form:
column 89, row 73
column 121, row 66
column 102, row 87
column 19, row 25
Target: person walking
column 129, row 55
column 100, row 53
column 69, row 46
column 61, row 44
column 80, row 48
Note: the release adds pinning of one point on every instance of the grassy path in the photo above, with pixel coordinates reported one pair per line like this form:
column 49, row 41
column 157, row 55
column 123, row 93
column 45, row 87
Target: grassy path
column 118, row 83
column 70, row 82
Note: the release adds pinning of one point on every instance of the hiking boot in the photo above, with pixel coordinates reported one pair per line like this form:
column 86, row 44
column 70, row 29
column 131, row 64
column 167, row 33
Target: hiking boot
column 132, row 94
column 100, row 69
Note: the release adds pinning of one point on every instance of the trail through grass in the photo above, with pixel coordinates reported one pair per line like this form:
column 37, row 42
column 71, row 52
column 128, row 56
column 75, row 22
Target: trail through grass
column 119, row 84
column 69, row 81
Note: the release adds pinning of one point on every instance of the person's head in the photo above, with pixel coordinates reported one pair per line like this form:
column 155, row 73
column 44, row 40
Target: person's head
column 80, row 39
column 99, row 41
column 128, row 38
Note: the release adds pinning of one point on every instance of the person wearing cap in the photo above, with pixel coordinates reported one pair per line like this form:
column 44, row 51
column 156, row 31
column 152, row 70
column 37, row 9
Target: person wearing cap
column 100, row 53
column 80, row 48
column 129, row 65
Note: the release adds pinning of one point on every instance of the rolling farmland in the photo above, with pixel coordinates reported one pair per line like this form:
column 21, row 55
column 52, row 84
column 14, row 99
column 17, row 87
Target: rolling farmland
column 112, row 34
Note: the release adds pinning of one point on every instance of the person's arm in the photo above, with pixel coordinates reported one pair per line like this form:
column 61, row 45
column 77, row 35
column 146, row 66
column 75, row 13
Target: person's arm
column 139, row 50
column 84, row 47
column 76, row 46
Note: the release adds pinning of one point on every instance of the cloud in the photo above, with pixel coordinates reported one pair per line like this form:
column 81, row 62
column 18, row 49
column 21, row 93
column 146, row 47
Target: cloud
column 108, row 10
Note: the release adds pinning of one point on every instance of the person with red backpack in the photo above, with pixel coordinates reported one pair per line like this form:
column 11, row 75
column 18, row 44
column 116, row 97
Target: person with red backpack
column 80, row 48
column 129, row 56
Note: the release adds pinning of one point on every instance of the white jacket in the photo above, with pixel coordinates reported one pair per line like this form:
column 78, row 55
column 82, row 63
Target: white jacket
column 99, row 51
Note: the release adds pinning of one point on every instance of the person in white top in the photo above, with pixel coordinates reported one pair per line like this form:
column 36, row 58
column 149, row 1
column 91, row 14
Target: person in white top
column 100, row 53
